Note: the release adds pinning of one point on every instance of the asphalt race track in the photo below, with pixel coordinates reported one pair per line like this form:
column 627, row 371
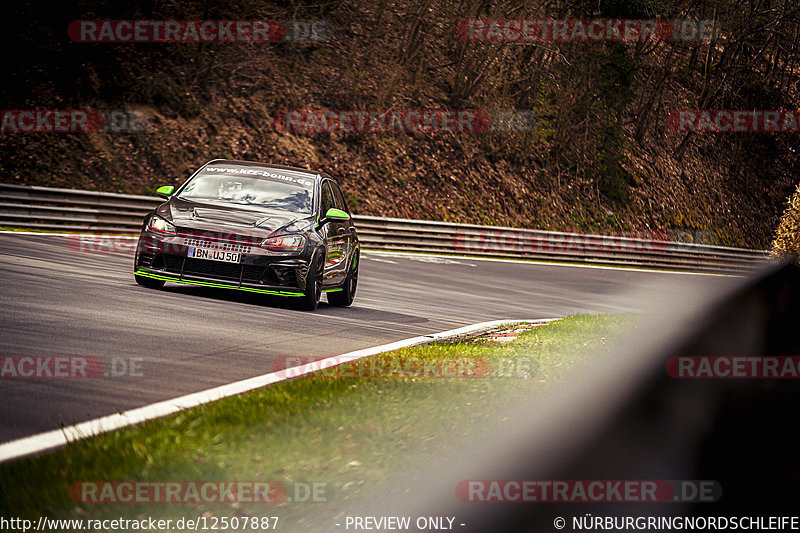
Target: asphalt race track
column 57, row 300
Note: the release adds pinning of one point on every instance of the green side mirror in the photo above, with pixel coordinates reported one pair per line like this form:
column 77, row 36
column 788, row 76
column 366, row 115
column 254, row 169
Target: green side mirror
column 336, row 214
column 165, row 191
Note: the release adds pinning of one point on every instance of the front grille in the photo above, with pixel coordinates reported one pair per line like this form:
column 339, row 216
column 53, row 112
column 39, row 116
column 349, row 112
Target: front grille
column 212, row 269
column 203, row 267
column 252, row 274
column 224, row 246
column 173, row 263
column 190, row 233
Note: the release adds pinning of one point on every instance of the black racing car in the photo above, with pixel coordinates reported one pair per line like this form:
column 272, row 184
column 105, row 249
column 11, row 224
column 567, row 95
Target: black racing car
column 254, row 227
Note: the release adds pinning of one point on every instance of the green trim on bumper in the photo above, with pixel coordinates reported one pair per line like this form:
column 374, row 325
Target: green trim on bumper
column 147, row 274
column 333, row 290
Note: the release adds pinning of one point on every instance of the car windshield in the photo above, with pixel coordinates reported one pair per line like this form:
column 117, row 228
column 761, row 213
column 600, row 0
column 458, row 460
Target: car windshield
column 261, row 187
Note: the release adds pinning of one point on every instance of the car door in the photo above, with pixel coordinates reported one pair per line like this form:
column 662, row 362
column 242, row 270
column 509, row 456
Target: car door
column 335, row 234
column 350, row 229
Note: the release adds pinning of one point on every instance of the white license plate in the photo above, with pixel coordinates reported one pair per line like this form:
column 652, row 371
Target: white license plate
column 213, row 255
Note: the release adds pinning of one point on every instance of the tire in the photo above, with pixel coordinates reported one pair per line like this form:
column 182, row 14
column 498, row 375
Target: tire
column 310, row 299
column 150, row 283
column 344, row 297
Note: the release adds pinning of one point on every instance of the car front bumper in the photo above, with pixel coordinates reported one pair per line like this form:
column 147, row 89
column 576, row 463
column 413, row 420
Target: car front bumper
column 165, row 257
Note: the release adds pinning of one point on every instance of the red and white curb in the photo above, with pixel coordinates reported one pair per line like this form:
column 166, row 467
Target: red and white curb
column 504, row 335
column 61, row 437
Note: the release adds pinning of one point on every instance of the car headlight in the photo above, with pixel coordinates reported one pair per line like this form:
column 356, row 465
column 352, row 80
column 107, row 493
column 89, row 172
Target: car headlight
column 284, row 243
column 159, row 224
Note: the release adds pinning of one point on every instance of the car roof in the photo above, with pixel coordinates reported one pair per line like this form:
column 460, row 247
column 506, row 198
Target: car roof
column 311, row 173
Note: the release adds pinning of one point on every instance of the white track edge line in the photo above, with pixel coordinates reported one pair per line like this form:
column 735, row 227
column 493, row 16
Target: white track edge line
column 549, row 263
column 61, row 437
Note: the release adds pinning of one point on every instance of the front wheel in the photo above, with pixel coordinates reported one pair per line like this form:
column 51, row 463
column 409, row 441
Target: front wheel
column 344, row 297
column 310, row 299
column 150, row 283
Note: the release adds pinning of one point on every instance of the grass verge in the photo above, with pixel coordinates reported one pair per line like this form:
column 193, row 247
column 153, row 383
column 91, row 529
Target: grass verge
column 351, row 428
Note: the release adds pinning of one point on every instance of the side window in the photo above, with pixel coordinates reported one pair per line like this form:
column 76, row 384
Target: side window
column 326, row 200
column 340, row 203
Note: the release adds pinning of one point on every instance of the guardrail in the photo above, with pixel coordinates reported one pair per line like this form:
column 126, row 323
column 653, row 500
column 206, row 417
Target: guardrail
column 87, row 211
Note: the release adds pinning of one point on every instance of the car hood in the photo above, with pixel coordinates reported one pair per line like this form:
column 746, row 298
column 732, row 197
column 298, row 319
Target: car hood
column 230, row 217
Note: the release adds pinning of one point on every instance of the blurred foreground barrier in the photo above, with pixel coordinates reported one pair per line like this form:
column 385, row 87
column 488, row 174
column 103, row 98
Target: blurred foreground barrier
column 698, row 404
column 74, row 210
